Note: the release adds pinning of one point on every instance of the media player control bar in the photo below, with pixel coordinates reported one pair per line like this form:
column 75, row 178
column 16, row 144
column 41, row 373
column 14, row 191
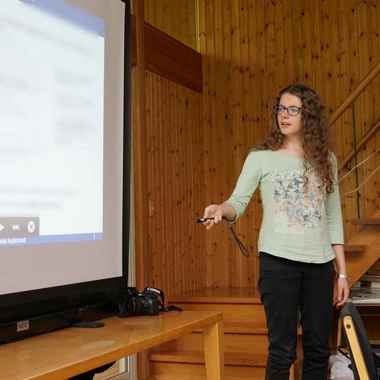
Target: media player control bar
column 16, row 227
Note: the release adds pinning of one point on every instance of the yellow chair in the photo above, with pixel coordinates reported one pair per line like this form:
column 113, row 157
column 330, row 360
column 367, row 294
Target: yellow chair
column 359, row 346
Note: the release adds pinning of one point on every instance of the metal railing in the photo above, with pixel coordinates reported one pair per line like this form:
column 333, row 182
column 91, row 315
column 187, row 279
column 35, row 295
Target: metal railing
column 349, row 102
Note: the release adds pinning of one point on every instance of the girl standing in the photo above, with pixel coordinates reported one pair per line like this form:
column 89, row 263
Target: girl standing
column 301, row 233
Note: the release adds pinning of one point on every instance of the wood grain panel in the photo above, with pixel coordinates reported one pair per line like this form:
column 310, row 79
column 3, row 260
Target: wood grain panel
column 329, row 44
column 175, row 167
column 250, row 49
column 168, row 57
column 175, row 18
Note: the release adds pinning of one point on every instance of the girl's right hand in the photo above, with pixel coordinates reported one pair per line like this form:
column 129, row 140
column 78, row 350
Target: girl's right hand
column 212, row 211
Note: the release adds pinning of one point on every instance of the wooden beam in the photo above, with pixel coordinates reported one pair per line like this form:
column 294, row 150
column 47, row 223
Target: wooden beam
column 363, row 221
column 354, row 248
column 140, row 175
column 168, row 57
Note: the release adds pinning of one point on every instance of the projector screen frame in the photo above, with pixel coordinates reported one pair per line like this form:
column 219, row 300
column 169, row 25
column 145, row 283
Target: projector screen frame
column 27, row 313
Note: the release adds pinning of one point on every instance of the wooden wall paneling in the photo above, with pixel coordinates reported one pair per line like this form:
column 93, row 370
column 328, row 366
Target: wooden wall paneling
column 151, row 154
column 372, row 186
column 175, row 269
column 162, row 179
column 194, row 174
column 349, row 201
column 182, row 195
column 337, row 56
column 332, row 18
column 270, row 55
column 306, row 43
column 173, row 217
column 160, row 16
column 365, row 97
column 376, row 100
column 298, row 69
column 150, row 13
column 171, row 182
column 195, row 171
column 178, row 176
column 226, row 88
column 179, row 25
column 318, row 44
column 162, row 168
column 345, row 127
column 169, row 58
column 237, row 117
column 208, row 49
column 222, row 269
column 262, row 64
column 175, row 18
column 191, row 21
column 245, row 224
column 326, row 58
column 172, row 60
column 369, row 189
column 195, row 198
column 279, row 52
column 206, row 127
column 159, row 164
column 247, row 276
column 220, row 255
column 315, row 40
column 257, row 132
column 159, row 278
column 173, row 164
column 167, row 6
column 287, row 36
column 200, row 248
column 179, row 190
column 271, row 74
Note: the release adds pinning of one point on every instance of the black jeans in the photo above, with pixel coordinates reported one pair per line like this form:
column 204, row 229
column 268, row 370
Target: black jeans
column 289, row 289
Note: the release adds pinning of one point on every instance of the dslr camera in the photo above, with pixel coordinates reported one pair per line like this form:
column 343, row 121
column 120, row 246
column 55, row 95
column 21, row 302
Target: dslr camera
column 135, row 303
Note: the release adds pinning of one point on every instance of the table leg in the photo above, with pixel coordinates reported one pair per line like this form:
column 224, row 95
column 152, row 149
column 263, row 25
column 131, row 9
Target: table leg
column 214, row 355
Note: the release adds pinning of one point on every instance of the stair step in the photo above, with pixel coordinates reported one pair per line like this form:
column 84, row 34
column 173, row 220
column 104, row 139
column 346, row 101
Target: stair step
column 190, row 371
column 239, row 305
column 253, row 328
column 365, row 221
column 257, row 328
column 354, row 248
column 371, row 278
column 230, row 358
column 219, row 295
column 236, row 342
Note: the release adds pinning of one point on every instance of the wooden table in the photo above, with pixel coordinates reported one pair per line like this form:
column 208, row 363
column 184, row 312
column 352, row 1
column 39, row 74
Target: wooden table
column 71, row 351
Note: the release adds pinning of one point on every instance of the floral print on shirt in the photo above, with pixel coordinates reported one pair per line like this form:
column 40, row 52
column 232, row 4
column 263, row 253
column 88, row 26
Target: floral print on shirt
column 295, row 209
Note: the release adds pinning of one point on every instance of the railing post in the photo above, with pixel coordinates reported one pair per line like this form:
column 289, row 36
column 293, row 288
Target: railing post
column 356, row 160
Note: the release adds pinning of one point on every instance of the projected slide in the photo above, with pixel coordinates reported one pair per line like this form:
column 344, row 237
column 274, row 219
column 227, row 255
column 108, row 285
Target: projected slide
column 51, row 123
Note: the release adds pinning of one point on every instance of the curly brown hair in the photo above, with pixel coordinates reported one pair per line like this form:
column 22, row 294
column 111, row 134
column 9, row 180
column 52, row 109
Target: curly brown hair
column 316, row 138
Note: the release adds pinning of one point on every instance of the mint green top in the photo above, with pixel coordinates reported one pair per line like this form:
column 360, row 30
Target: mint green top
column 297, row 225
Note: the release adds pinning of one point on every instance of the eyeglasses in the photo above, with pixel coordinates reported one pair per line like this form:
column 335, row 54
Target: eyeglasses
column 292, row 111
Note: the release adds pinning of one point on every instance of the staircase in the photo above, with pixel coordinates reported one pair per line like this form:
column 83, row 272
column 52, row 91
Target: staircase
column 245, row 338
column 365, row 248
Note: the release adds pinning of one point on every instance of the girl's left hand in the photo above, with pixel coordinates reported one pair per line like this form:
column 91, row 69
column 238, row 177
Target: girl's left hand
column 343, row 293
